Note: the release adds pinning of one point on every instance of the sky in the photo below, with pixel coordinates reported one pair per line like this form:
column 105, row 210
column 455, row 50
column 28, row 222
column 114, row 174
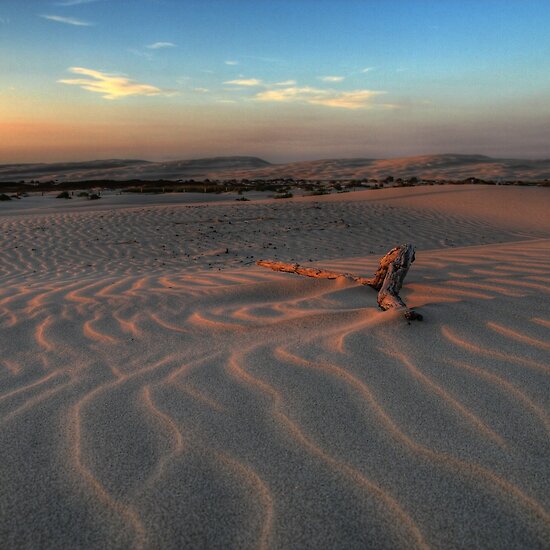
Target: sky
column 284, row 80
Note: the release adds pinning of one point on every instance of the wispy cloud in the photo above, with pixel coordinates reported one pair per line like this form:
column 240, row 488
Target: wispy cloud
column 75, row 2
column 245, row 82
column 67, row 20
column 160, row 45
column 4, row 20
column 112, row 86
column 355, row 99
column 367, row 69
column 285, row 83
column 231, row 62
column 140, row 53
column 332, row 78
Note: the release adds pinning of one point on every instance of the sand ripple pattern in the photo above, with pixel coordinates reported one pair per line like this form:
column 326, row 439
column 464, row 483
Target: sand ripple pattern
column 160, row 239
column 143, row 407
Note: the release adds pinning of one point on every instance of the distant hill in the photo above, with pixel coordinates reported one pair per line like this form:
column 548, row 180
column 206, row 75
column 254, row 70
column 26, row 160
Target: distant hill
column 448, row 167
column 128, row 169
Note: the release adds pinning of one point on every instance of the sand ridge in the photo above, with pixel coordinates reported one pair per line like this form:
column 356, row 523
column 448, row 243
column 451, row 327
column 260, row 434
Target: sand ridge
column 172, row 395
column 444, row 166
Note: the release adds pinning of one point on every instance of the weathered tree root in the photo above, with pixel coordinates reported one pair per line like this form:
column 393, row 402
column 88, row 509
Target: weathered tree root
column 388, row 279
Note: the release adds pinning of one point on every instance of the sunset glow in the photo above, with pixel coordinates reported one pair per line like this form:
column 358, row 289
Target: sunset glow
column 274, row 274
column 284, row 80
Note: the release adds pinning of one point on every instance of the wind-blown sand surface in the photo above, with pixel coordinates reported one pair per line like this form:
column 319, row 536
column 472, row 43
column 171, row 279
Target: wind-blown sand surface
column 158, row 392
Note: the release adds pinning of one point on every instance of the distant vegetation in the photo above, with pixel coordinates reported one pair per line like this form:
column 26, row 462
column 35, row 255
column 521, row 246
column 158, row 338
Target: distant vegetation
column 320, row 191
column 280, row 186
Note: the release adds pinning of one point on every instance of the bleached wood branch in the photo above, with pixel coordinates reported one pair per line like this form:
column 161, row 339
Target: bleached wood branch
column 310, row 271
column 388, row 278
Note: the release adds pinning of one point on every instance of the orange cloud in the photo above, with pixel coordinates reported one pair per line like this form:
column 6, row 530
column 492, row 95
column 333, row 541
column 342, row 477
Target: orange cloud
column 245, row 82
column 355, row 99
column 331, row 78
column 112, row 86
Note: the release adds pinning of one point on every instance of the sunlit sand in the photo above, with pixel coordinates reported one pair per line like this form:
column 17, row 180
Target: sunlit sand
column 160, row 390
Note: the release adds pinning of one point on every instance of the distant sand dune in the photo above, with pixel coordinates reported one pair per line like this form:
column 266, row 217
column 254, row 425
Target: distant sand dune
column 447, row 166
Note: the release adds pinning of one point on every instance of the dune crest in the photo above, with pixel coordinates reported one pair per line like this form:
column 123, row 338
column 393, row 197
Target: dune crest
column 444, row 167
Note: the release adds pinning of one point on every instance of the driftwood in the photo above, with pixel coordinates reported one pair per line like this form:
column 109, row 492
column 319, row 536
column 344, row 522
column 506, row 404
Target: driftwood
column 311, row 271
column 388, row 279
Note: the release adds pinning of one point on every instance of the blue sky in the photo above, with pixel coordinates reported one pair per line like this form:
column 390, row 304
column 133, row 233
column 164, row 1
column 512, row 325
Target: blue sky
column 281, row 79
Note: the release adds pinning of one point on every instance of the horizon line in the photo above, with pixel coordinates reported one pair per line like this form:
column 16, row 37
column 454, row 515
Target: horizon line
column 235, row 156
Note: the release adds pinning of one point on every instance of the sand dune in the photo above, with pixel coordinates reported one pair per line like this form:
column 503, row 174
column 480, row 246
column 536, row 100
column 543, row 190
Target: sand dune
column 445, row 167
column 127, row 169
column 158, row 392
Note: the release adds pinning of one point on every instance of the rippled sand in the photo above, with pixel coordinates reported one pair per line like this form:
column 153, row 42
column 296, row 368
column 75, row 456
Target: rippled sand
column 159, row 390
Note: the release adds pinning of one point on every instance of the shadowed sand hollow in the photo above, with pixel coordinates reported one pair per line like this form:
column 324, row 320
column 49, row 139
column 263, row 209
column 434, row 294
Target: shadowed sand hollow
column 157, row 391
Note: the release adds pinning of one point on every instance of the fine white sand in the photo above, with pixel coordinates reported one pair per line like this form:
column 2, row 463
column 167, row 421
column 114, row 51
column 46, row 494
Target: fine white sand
column 160, row 390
